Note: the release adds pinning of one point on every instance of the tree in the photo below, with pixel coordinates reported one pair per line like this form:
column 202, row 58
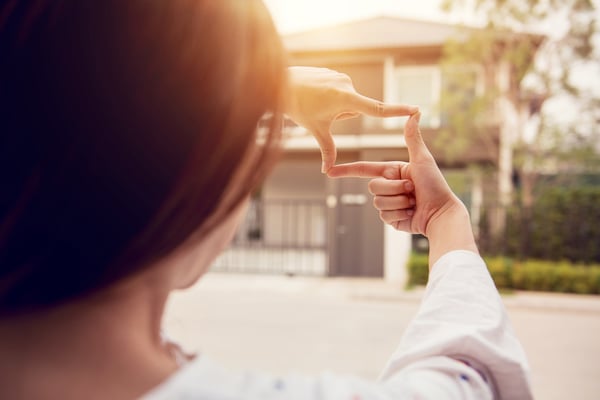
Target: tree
column 530, row 54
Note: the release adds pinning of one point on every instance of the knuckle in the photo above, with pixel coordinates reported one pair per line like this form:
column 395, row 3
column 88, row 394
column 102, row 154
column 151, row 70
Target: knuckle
column 371, row 186
column 345, row 96
column 383, row 216
column 345, row 77
column 326, row 151
column 362, row 170
column 391, row 173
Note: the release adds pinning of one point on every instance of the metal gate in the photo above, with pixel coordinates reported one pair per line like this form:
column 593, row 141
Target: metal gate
column 279, row 237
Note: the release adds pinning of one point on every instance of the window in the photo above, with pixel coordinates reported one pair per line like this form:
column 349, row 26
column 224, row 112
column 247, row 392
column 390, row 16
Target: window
column 414, row 85
column 432, row 89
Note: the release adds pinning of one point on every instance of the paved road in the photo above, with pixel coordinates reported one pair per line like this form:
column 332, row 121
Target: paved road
column 307, row 325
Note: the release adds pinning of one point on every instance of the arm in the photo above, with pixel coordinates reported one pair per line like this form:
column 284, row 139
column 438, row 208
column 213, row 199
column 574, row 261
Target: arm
column 461, row 318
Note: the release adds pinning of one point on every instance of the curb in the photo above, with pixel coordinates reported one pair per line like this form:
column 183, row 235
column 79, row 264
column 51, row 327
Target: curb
column 375, row 289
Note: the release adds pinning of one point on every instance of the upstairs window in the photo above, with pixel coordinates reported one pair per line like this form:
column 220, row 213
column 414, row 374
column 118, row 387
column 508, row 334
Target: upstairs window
column 433, row 90
column 414, row 85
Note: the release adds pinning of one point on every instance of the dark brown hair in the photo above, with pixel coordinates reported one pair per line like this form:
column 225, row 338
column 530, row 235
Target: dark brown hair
column 122, row 124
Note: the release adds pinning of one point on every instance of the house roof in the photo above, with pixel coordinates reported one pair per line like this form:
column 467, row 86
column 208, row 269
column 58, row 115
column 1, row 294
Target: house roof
column 373, row 33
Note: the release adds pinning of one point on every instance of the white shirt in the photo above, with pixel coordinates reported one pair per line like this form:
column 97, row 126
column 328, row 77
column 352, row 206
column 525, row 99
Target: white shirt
column 459, row 346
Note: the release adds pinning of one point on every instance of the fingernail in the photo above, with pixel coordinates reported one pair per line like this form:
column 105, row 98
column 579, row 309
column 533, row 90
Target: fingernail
column 418, row 116
column 324, row 167
column 412, row 201
column 413, row 109
column 409, row 186
column 410, row 213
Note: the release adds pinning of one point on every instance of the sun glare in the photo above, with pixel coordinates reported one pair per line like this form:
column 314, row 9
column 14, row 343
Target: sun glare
column 297, row 15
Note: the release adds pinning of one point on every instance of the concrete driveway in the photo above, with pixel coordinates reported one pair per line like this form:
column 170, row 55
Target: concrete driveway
column 307, row 325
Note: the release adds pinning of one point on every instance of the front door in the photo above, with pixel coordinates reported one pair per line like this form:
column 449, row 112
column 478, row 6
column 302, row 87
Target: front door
column 358, row 232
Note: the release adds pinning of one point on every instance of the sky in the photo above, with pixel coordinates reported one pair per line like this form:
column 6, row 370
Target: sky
column 300, row 15
column 297, row 15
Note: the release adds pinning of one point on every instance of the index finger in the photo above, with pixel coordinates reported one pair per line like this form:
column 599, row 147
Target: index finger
column 367, row 169
column 376, row 108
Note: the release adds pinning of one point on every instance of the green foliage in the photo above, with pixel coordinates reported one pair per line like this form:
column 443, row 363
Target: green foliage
column 533, row 275
column 504, row 41
column 563, row 225
column 418, row 269
column 556, row 277
column 501, row 270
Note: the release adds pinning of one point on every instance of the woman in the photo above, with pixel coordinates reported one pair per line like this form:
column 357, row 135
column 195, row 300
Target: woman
column 128, row 150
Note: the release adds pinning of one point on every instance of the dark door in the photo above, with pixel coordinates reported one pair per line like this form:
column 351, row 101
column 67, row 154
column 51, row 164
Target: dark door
column 358, row 231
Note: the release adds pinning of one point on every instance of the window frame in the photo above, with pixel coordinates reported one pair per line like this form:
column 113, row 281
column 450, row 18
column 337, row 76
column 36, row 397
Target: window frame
column 391, row 79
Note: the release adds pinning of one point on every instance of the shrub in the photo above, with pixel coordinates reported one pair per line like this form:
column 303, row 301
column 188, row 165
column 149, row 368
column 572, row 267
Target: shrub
column 501, row 270
column 532, row 275
column 562, row 225
column 418, row 269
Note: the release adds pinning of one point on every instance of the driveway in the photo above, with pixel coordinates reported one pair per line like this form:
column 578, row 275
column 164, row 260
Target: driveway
column 307, row 325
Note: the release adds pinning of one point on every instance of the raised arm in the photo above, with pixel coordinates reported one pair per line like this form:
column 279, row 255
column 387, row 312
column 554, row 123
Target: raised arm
column 462, row 320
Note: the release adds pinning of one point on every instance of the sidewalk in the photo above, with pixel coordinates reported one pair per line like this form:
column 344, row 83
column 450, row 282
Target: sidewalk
column 377, row 289
column 351, row 326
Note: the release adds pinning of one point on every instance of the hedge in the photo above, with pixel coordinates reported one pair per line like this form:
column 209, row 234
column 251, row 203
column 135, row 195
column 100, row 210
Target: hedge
column 562, row 225
column 533, row 275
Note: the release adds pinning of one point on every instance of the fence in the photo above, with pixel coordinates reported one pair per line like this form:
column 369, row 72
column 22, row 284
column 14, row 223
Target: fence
column 279, row 237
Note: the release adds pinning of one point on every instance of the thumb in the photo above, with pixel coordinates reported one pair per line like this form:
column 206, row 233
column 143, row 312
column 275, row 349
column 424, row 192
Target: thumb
column 327, row 146
column 417, row 148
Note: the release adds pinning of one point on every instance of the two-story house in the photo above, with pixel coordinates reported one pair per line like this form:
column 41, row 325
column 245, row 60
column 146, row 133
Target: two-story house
column 301, row 222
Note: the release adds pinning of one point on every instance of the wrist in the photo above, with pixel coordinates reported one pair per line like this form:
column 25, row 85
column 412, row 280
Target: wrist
column 450, row 229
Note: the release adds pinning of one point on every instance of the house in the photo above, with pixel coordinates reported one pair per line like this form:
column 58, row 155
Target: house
column 301, row 222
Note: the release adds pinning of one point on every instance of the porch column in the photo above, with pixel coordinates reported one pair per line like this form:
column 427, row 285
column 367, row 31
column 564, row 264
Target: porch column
column 396, row 252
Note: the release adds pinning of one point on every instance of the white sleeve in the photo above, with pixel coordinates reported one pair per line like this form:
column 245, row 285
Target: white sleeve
column 436, row 378
column 460, row 346
column 462, row 317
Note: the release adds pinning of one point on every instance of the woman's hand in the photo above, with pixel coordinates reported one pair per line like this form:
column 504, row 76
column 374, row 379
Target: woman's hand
column 319, row 96
column 437, row 212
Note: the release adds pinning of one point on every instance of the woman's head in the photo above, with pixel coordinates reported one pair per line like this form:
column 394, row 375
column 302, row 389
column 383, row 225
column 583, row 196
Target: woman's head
column 123, row 125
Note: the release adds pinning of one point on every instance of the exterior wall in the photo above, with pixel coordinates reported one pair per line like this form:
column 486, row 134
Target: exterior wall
column 301, row 182
column 296, row 179
column 357, row 243
column 348, row 225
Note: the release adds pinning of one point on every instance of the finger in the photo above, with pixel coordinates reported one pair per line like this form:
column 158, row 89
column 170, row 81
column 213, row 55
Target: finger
column 391, row 203
column 347, row 115
column 389, row 217
column 390, row 187
column 365, row 169
column 328, row 150
column 417, row 149
column 403, row 225
column 376, row 108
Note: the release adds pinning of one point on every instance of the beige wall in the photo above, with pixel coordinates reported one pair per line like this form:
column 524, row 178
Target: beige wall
column 295, row 180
